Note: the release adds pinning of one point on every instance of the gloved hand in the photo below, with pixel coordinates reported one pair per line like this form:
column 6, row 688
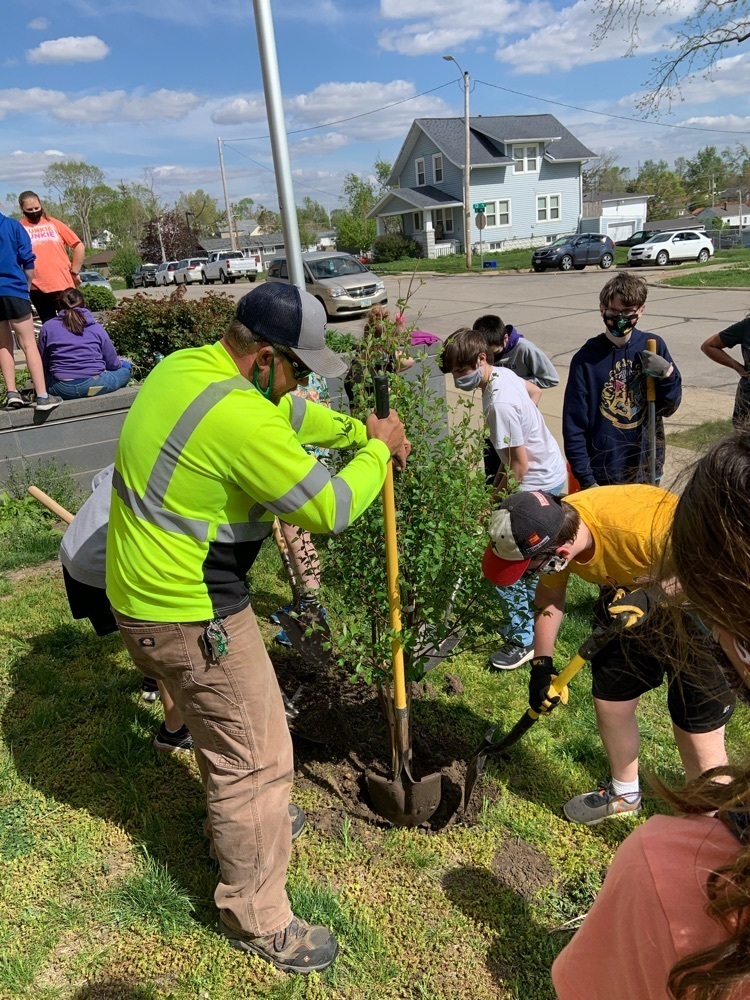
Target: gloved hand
column 630, row 608
column 542, row 698
column 655, row 365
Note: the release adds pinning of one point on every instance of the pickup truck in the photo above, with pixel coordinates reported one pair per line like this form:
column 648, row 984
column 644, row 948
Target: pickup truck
column 227, row 266
column 144, row 274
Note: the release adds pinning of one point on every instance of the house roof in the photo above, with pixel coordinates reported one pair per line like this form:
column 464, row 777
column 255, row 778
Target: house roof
column 730, row 208
column 424, row 196
column 245, row 242
column 614, row 196
column 489, row 137
column 99, row 258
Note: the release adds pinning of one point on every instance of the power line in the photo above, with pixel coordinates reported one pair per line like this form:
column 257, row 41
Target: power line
column 351, row 118
column 264, row 167
column 604, row 114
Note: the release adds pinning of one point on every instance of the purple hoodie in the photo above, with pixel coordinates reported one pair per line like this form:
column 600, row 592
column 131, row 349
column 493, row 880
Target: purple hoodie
column 70, row 355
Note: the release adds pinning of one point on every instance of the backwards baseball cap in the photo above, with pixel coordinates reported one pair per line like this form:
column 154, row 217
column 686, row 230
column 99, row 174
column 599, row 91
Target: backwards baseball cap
column 285, row 315
column 523, row 525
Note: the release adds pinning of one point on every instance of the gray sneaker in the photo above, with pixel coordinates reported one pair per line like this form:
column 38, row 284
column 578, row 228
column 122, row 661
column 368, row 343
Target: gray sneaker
column 593, row 807
column 299, row 947
column 511, row 657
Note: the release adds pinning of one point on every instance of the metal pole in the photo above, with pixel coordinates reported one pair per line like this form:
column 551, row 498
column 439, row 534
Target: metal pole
column 161, row 241
column 275, row 110
column 232, row 241
column 467, row 172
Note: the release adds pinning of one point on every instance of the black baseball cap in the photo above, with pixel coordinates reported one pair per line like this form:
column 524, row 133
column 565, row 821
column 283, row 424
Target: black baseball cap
column 286, row 315
column 523, row 525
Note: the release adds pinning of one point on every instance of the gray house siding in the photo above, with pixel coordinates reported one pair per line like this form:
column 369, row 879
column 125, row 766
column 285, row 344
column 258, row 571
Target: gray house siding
column 424, row 148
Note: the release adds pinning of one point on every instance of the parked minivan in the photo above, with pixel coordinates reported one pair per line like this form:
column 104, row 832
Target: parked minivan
column 338, row 281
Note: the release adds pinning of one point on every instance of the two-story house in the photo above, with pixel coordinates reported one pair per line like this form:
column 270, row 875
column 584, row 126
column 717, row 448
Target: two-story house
column 525, row 169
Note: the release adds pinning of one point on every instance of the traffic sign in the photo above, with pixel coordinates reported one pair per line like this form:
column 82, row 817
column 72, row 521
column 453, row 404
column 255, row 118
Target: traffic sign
column 480, row 206
column 480, row 220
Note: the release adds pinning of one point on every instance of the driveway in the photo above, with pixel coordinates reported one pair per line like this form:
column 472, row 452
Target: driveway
column 559, row 311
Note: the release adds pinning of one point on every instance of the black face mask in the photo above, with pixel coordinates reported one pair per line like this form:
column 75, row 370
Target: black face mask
column 620, row 326
column 34, row 216
column 497, row 357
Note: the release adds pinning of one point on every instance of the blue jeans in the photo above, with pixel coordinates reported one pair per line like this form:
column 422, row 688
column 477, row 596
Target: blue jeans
column 518, row 629
column 78, row 388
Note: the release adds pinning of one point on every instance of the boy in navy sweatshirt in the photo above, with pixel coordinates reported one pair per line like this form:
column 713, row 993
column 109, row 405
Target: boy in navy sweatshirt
column 605, row 412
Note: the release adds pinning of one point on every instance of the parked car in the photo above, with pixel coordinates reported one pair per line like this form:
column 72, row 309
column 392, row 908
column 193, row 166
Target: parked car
column 144, row 275
column 575, row 251
column 641, row 236
column 189, row 270
column 337, row 280
column 165, row 272
column 94, row 278
column 228, row 265
column 683, row 244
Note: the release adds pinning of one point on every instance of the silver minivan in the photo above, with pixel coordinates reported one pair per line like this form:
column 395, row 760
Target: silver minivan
column 337, row 280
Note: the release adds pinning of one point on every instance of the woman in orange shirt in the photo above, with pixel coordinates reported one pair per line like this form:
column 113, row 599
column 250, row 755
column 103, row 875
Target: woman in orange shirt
column 50, row 241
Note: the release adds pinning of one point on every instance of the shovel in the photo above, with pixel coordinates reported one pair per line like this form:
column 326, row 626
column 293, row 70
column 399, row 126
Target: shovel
column 475, row 768
column 651, row 399
column 307, row 629
column 403, row 801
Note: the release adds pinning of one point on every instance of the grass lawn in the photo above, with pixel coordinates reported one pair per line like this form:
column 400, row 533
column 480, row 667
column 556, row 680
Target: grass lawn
column 106, row 885
column 701, row 436
column 726, row 277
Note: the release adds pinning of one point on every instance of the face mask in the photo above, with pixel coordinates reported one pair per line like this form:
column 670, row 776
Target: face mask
column 555, row 564
column 497, row 358
column 620, row 326
column 468, row 382
column 266, row 393
column 34, row 216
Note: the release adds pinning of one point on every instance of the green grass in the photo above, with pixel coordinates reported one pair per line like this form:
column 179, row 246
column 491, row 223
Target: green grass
column 728, row 277
column 105, row 881
column 701, row 436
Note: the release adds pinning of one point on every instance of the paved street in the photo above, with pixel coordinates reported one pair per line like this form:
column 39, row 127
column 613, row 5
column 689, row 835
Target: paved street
column 559, row 311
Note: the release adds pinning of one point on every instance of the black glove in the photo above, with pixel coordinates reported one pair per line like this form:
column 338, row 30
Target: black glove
column 631, row 608
column 542, row 698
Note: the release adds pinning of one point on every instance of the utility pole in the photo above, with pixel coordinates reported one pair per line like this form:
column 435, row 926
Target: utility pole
column 467, row 163
column 161, row 241
column 227, row 206
column 279, row 147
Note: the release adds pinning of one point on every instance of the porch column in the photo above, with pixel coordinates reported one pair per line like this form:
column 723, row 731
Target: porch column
column 429, row 234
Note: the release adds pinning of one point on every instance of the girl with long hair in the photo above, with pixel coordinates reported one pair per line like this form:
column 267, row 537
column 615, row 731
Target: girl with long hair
column 79, row 358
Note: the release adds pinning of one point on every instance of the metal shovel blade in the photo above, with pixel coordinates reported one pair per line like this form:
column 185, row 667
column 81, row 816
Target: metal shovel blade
column 404, row 801
column 475, row 767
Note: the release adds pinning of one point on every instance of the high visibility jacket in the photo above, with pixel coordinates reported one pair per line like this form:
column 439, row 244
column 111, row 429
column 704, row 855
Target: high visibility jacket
column 204, row 462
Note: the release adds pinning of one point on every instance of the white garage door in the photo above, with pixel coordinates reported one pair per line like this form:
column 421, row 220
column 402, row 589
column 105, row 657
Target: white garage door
column 620, row 230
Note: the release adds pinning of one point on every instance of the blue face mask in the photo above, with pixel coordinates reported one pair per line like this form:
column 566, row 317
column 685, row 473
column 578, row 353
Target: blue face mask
column 469, row 382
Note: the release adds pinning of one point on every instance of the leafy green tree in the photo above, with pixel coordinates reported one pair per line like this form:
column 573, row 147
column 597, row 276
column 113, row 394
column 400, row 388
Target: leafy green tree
column 354, row 233
column 206, row 218
column 668, row 195
column 268, row 220
column 80, row 187
column 382, row 170
column 706, row 175
column 244, row 209
column 125, row 261
column 605, row 175
column 313, row 214
column 126, row 212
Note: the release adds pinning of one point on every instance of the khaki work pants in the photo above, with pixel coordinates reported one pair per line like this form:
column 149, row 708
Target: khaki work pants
column 235, row 714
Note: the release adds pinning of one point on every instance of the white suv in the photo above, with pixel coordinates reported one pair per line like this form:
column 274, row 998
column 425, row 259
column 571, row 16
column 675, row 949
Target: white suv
column 165, row 272
column 661, row 248
column 190, row 270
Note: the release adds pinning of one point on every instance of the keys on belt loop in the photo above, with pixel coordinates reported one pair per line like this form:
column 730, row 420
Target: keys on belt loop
column 216, row 639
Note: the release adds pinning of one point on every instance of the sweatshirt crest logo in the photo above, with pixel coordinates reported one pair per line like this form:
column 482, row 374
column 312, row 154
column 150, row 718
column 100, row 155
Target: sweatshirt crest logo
column 622, row 401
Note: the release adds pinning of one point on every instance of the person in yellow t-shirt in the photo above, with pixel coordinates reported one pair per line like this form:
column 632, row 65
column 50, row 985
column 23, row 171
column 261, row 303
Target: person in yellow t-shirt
column 613, row 536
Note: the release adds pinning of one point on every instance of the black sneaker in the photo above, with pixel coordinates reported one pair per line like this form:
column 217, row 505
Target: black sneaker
column 48, row 402
column 299, row 821
column 299, row 947
column 511, row 657
column 14, row 400
column 150, row 689
column 180, row 741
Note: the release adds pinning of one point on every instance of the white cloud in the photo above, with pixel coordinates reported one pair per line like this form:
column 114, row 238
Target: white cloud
column 315, row 145
column 106, row 106
column 22, row 167
column 239, row 111
column 38, row 24
column 73, row 49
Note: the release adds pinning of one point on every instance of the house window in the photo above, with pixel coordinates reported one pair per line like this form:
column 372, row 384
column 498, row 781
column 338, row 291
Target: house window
column 443, row 218
column 498, row 212
column 417, row 221
column 437, row 167
column 419, row 168
column 526, row 159
column 547, row 207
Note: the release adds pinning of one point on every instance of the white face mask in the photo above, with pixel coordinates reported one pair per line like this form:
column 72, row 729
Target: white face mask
column 555, row 564
column 469, row 382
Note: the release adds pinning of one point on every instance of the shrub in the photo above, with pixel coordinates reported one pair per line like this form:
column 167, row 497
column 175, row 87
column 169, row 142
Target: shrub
column 124, row 262
column 97, row 297
column 142, row 327
column 394, row 246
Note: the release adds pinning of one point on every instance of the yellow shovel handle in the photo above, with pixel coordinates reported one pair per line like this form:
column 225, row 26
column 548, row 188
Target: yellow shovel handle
column 563, row 679
column 650, row 380
column 394, row 596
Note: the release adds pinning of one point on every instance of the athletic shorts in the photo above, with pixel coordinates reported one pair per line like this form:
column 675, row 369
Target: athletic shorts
column 89, row 602
column 698, row 698
column 14, row 307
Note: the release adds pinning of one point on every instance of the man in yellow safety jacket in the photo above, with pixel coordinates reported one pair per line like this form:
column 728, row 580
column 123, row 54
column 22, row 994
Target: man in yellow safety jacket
column 210, row 451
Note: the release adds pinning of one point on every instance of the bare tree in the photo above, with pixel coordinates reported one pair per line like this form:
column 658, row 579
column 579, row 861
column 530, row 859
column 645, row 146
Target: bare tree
column 81, row 188
column 699, row 41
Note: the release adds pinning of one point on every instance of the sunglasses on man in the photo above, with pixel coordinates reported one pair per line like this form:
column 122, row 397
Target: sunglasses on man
column 299, row 370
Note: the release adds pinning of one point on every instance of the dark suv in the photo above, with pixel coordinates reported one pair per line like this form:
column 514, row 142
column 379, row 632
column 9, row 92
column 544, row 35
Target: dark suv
column 575, row 251
column 642, row 236
column 144, row 275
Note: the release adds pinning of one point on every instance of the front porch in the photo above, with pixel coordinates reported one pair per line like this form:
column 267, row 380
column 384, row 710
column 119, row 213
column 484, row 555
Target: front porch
column 429, row 216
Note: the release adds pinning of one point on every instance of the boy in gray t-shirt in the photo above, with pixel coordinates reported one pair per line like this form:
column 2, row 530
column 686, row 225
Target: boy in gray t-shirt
column 512, row 350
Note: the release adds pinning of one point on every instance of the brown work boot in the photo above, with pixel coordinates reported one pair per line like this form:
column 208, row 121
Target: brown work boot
column 299, row 947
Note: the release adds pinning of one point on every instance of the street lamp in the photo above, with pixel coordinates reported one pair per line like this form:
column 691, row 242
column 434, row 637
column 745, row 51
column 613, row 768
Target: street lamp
column 467, row 163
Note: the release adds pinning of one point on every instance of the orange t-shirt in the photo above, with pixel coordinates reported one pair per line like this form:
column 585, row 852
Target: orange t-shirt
column 49, row 239
column 650, row 912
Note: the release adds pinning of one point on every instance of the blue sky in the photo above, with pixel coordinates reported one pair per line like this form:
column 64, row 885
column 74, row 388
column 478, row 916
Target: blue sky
column 131, row 85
